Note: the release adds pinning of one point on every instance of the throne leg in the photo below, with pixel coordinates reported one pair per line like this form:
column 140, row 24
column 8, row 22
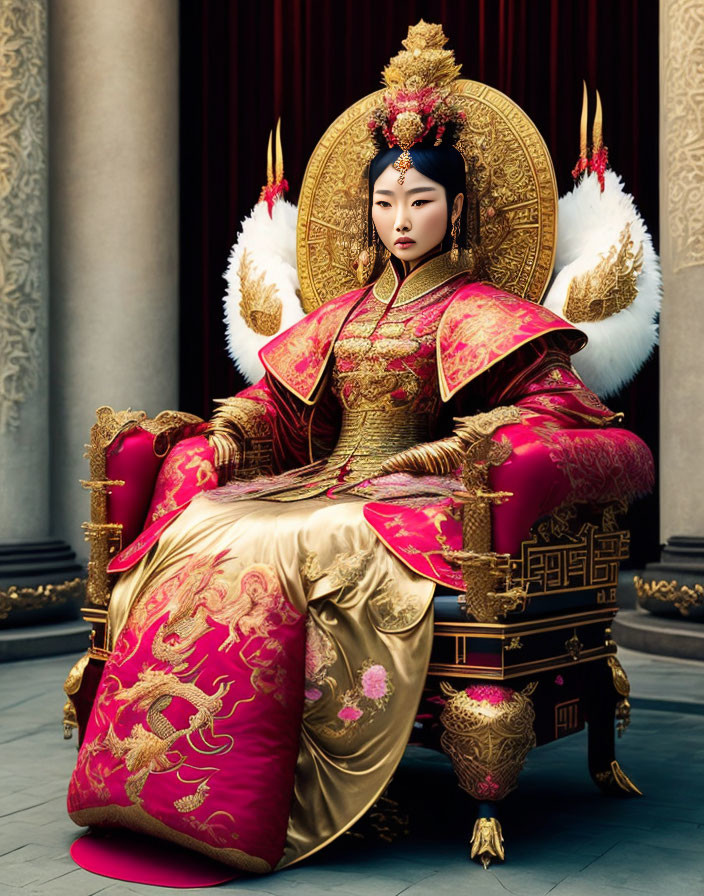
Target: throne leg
column 487, row 840
column 606, row 699
column 488, row 732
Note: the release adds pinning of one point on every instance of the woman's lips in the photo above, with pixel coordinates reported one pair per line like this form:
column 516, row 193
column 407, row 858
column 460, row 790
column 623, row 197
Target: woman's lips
column 404, row 242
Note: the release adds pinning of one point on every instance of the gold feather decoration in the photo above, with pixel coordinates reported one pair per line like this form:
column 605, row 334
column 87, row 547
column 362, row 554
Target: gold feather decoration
column 610, row 286
column 260, row 305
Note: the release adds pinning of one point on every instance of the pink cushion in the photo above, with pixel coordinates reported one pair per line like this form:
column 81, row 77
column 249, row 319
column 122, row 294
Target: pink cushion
column 134, row 457
column 131, row 458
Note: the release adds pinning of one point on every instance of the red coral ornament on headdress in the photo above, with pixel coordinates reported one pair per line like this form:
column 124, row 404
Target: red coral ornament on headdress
column 419, row 103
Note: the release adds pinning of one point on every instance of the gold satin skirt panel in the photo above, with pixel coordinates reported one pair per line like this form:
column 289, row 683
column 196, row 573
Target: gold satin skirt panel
column 369, row 634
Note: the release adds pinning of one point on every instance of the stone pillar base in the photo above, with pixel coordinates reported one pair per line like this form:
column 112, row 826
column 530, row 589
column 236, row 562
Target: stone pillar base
column 40, row 582
column 675, row 585
column 673, row 638
column 664, row 603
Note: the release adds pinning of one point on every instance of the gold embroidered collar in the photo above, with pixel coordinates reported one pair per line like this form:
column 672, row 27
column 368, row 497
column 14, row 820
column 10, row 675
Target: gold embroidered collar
column 426, row 277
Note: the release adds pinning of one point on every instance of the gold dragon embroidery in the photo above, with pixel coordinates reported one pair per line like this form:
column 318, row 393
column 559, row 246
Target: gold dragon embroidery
column 147, row 750
column 189, row 605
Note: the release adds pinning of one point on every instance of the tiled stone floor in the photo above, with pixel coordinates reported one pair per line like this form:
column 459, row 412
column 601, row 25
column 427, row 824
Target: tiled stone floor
column 562, row 836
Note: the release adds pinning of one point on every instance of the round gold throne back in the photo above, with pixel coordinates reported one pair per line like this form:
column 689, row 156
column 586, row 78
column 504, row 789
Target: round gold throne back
column 512, row 193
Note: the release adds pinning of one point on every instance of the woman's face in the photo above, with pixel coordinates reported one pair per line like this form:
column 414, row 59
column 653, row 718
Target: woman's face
column 411, row 218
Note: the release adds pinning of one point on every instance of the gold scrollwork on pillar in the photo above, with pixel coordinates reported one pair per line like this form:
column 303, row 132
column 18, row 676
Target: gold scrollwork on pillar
column 23, row 164
column 18, row 599
column 682, row 597
column 682, row 42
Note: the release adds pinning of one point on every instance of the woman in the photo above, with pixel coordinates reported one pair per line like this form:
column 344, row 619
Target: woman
column 270, row 650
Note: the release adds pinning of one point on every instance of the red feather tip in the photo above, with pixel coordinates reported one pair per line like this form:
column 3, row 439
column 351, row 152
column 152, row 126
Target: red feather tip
column 271, row 192
column 580, row 167
column 599, row 163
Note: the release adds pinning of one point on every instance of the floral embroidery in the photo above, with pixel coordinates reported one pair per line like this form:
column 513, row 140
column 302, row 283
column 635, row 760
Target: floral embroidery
column 311, row 570
column 313, row 694
column 488, row 788
column 346, row 569
column 391, row 611
column 370, row 692
column 603, row 466
column 487, row 326
column 297, row 358
column 320, row 652
column 374, row 682
column 174, row 475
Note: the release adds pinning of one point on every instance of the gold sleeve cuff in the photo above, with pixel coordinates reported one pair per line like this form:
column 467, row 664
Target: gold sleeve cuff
column 241, row 436
column 435, row 458
column 445, row 455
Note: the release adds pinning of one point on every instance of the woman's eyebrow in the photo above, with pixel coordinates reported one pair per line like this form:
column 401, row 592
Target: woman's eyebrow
column 414, row 190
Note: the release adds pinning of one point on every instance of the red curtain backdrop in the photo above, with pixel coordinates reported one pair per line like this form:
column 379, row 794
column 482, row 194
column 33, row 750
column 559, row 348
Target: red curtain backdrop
column 245, row 63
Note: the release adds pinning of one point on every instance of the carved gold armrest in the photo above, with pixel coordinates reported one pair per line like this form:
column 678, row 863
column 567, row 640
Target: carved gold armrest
column 490, row 593
column 241, row 436
column 578, row 547
column 104, row 535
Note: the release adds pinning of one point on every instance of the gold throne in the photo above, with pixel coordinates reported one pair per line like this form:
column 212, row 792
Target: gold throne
column 525, row 655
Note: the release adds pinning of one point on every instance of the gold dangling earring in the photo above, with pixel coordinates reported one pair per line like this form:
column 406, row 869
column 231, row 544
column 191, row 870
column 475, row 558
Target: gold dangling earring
column 367, row 259
column 373, row 249
column 455, row 250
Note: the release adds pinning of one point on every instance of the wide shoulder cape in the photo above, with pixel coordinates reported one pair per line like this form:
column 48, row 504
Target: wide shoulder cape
column 480, row 326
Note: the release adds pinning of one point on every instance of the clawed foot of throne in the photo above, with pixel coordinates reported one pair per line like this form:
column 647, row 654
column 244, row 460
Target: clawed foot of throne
column 487, row 841
column 615, row 782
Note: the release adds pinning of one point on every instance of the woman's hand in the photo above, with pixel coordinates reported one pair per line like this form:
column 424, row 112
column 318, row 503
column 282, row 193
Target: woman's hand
column 447, row 455
column 227, row 454
column 434, row 458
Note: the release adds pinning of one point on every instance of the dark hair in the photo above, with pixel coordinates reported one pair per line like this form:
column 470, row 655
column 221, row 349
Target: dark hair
column 443, row 164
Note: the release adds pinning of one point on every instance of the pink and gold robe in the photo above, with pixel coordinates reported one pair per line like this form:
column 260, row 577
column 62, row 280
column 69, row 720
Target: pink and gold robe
column 272, row 635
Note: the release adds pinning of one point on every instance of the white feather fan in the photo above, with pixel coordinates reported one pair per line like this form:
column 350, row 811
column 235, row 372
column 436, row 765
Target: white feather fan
column 261, row 300
column 605, row 254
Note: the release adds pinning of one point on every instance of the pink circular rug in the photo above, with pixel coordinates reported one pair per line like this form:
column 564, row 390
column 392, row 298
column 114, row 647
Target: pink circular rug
column 139, row 859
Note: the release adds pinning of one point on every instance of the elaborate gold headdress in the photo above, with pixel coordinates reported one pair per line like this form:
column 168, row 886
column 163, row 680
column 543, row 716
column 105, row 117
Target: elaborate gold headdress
column 418, row 103
column 511, row 208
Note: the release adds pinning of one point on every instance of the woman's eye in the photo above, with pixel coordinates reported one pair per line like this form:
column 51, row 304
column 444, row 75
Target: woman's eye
column 382, row 203
column 421, row 202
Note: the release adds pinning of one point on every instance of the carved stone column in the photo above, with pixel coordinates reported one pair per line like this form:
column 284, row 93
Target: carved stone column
column 24, row 233
column 114, row 207
column 38, row 574
column 674, row 585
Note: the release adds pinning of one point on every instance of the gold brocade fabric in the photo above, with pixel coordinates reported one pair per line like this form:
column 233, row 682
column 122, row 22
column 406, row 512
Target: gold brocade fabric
column 384, row 376
column 368, row 641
